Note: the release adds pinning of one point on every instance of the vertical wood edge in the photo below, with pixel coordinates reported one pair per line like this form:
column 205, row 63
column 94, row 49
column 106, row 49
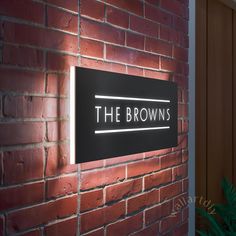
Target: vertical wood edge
column 201, row 95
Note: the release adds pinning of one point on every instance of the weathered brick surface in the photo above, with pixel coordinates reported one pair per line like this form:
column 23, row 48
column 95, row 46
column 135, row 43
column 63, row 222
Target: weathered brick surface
column 132, row 194
column 91, row 200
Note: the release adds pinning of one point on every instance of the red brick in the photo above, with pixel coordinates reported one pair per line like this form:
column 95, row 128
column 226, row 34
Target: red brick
column 126, row 226
column 21, row 81
column 21, row 133
column 91, row 200
column 170, row 222
column 179, row 126
column 158, row 46
column 181, row 230
column 1, row 29
column 23, row 56
column 157, row 179
column 99, row 232
column 184, row 156
column 2, row 225
column 54, row 107
column 170, row 191
column 132, row 57
column 1, row 106
column 102, row 32
column 57, row 130
column 157, row 75
column 170, row 160
column 133, row 6
column 152, row 230
column 180, row 53
column 91, row 165
column 100, row 217
column 91, row 48
column 97, row 34
column 92, row 9
column 25, row 10
column 61, row 186
column 169, row 34
column 60, row 19
column 21, row 195
column 123, row 190
column 184, row 41
column 65, row 227
column 102, row 177
column 168, row 64
column 182, row 142
column 185, row 185
column 155, row 213
column 27, row 165
column 23, row 106
column 135, row 71
column 70, row 5
column 180, row 202
column 143, row 167
column 57, row 84
column 185, row 95
column 60, row 62
column 156, row 14
column 182, row 83
column 117, row 17
column 157, row 152
column 31, row 217
column 134, row 40
column 144, row 26
column 175, row 7
column 101, row 65
column 180, row 95
column 185, row 125
column 36, row 232
column 142, row 201
column 41, row 37
column 154, row 2
column 58, row 159
column 180, row 24
column 180, row 172
column 1, row 169
column 185, row 214
column 184, row 70
column 122, row 159
column 185, row 2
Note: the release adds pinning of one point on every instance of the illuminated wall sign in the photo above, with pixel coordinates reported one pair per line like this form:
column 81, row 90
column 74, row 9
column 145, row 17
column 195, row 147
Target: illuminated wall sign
column 116, row 114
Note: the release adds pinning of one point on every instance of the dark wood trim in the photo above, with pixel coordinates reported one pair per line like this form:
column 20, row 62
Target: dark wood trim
column 219, row 98
column 229, row 3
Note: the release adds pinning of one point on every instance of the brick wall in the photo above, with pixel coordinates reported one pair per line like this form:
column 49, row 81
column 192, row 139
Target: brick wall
column 39, row 41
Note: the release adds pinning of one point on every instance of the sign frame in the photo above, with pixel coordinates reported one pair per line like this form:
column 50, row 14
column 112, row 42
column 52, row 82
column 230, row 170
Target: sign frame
column 101, row 87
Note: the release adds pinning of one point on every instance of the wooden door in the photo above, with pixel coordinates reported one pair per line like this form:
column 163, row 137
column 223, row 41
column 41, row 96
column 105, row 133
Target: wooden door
column 215, row 97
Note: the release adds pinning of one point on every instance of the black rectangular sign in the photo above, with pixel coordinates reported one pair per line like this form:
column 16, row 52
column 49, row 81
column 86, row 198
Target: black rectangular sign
column 118, row 114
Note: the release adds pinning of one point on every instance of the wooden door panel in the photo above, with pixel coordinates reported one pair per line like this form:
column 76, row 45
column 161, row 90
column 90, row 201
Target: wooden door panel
column 219, row 97
column 215, row 97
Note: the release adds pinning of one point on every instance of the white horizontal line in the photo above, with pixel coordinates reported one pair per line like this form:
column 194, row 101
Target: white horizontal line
column 128, row 130
column 130, row 98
